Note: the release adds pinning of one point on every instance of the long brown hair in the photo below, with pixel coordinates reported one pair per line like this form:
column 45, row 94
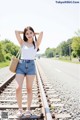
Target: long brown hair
column 25, row 38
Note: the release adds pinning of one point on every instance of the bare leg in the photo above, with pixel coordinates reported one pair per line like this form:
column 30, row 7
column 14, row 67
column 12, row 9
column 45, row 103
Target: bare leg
column 29, row 83
column 19, row 83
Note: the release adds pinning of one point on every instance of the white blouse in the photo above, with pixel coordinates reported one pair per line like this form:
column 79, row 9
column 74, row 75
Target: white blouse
column 28, row 53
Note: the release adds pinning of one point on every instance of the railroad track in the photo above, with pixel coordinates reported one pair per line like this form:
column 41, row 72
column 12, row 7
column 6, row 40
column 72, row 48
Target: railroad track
column 45, row 104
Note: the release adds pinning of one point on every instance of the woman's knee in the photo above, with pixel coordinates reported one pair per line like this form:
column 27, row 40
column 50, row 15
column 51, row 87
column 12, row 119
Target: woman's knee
column 29, row 89
column 18, row 88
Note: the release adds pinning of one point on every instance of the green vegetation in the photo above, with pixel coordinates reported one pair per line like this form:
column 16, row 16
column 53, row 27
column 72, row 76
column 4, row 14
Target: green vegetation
column 4, row 64
column 7, row 50
column 66, row 50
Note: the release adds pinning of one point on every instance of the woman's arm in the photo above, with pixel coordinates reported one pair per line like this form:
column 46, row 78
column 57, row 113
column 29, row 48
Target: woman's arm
column 18, row 36
column 39, row 39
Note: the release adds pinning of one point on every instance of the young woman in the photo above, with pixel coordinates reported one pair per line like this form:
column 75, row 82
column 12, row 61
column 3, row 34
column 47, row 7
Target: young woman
column 26, row 67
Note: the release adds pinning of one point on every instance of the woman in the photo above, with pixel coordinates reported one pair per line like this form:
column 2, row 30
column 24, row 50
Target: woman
column 26, row 67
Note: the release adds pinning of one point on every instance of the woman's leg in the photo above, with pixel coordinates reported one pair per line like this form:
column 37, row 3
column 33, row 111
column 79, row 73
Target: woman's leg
column 29, row 83
column 19, row 83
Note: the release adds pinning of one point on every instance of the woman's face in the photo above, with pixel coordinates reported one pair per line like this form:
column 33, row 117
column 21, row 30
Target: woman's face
column 29, row 34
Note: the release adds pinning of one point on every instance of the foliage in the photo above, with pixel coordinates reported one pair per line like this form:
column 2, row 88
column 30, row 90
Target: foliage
column 71, row 47
column 7, row 49
column 76, row 45
column 1, row 54
column 8, row 56
column 74, row 54
column 49, row 52
column 3, row 64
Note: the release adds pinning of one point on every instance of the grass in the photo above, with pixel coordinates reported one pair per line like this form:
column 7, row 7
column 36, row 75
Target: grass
column 70, row 61
column 4, row 64
column 67, row 59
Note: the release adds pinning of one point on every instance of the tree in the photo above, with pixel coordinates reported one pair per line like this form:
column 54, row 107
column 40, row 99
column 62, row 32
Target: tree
column 1, row 54
column 63, row 49
column 9, row 48
column 76, row 45
column 49, row 52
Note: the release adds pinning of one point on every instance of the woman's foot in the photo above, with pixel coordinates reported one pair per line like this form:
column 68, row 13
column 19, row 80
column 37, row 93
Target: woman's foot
column 20, row 112
column 27, row 113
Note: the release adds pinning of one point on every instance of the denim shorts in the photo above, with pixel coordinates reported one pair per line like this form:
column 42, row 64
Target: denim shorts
column 26, row 67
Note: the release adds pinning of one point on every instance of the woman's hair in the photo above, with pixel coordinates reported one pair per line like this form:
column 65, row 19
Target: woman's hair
column 25, row 38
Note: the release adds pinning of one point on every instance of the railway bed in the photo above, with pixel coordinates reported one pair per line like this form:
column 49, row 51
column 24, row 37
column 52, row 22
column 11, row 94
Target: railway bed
column 46, row 104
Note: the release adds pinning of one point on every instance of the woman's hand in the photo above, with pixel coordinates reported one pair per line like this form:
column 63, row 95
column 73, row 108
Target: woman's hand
column 36, row 33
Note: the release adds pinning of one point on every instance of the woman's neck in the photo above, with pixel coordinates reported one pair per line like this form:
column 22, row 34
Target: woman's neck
column 30, row 41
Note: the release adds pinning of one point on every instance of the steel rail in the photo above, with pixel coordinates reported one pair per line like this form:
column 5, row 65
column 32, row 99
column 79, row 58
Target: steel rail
column 5, row 83
column 45, row 103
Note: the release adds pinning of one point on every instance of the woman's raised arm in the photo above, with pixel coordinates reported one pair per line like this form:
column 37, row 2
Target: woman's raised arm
column 39, row 39
column 18, row 36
